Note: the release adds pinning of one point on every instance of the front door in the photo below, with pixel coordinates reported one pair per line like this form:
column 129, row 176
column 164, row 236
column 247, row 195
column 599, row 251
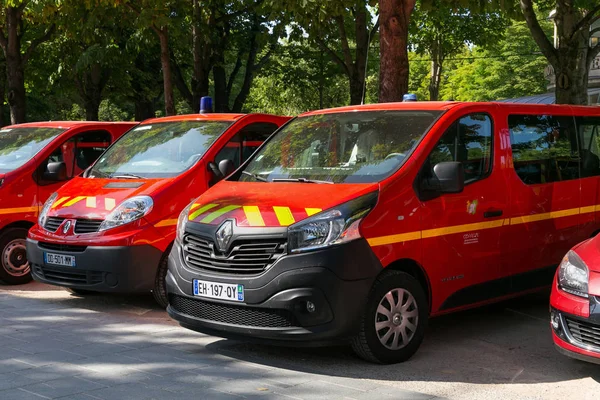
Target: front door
column 461, row 232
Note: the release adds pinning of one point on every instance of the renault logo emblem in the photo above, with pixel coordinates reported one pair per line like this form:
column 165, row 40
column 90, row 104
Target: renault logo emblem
column 223, row 235
column 66, row 227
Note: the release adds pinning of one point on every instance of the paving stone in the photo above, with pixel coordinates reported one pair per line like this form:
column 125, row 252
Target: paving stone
column 63, row 387
column 21, row 394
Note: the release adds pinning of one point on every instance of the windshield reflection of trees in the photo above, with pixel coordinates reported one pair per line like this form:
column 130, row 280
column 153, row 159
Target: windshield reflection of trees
column 179, row 144
column 342, row 147
column 19, row 145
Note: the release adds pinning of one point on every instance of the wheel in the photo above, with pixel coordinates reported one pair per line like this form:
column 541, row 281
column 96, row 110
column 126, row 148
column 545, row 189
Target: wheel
column 80, row 292
column 393, row 323
column 13, row 257
column 160, row 286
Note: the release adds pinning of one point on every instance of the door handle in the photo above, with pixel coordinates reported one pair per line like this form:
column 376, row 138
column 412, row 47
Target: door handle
column 492, row 213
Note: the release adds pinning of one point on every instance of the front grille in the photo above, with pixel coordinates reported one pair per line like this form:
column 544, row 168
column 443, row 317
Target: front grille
column 233, row 314
column 584, row 333
column 62, row 247
column 65, row 275
column 52, row 223
column 87, row 225
column 245, row 257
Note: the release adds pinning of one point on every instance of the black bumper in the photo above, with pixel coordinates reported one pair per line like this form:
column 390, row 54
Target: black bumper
column 103, row 269
column 336, row 281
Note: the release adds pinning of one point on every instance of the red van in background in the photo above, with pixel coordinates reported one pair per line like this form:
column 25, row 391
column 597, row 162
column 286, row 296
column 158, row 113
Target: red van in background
column 35, row 160
column 111, row 229
column 359, row 223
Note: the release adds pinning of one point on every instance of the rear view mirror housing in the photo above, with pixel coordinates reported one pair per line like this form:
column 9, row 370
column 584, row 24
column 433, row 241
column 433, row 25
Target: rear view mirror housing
column 446, row 177
column 226, row 167
column 55, row 172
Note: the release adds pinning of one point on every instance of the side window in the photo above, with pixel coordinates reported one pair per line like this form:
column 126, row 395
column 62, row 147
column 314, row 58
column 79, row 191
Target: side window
column 544, row 148
column 245, row 142
column 589, row 131
column 468, row 140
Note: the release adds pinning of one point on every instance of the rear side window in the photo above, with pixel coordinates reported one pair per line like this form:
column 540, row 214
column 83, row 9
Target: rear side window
column 468, row 140
column 589, row 131
column 544, row 148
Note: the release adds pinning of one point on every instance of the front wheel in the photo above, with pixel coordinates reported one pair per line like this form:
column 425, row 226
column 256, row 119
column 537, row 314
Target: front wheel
column 393, row 323
column 160, row 285
column 14, row 266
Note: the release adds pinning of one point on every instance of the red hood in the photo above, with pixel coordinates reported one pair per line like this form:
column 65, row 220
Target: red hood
column 96, row 198
column 271, row 204
column 589, row 252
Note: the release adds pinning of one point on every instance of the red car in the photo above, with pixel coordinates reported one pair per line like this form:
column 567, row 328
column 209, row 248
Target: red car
column 111, row 229
column 35, row 160
column 359, row 223
column 575, row 303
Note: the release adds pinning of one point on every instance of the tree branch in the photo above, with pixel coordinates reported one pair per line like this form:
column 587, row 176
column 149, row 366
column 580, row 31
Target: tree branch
column 587, row 19
column 3, row 40
column 344, row 39
column 180, row 82
column 537, row 32
column 35, row 43
column 332, row 54
column 374, row 29
column 232, row 76
column 593, row 53
column 263, row 60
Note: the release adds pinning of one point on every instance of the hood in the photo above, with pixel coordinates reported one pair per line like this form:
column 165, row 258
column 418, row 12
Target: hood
column 96, row 198
column 271, row 204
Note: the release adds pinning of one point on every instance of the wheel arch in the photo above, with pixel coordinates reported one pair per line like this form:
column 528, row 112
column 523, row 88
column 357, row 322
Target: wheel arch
column 415, row 270
column 17, row 224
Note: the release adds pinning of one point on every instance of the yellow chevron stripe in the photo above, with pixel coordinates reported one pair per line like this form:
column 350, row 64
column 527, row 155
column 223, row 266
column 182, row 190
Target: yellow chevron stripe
column 312, row 211
column 545, row 216
column 253, row 216
column 18, row 210
column 59, row 202
column 403, row 237
column 201, row 210
column 90, row 202
column 166, row 222
column 73, row 201
column 284, row 215
column 194, row 206
column 461, row 228
column 109, row 203
column 214, row 215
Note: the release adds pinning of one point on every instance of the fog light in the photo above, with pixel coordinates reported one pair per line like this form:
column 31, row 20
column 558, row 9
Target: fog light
column 555, row 320
column 310, row 307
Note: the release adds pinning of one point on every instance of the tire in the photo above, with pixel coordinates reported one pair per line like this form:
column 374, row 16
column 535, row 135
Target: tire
column 394, row 347
column 80, row 292
column 160, row 285
column 14, row 267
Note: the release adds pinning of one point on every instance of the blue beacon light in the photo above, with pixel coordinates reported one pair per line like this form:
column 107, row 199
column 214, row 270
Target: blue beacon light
column 206, row 105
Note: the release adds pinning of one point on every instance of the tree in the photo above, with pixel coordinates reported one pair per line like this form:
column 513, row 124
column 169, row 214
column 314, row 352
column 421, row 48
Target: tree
column 394, row 17
column 572, row 58
column 22, row 21
column 441, row 32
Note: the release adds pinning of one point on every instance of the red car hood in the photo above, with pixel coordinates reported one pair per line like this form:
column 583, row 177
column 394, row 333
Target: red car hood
column 271, row 204
column 96, row 198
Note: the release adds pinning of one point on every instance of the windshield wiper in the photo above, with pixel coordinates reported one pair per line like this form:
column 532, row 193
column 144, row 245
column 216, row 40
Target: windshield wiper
column 127, row 176
column 258, row 178
column 303, row 180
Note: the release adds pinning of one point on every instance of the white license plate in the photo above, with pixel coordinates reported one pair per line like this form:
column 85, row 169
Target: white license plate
column 216, row 290
column 59, row 259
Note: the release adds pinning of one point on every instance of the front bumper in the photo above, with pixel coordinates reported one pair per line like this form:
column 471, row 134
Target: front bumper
column 98, row 268
column 336, row 280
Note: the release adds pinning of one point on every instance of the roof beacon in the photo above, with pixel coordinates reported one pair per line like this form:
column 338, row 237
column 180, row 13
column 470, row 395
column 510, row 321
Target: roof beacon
column 409, row 97
column 206, row 105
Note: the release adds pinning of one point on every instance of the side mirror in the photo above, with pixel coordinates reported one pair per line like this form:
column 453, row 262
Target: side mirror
column 226, row 167
column 55, row 172
column 450, row 176
column 212, row 167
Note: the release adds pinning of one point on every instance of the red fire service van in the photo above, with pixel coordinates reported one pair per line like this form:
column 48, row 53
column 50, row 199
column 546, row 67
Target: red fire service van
column 35, row 160
column 575, row 300
column 111, row 229
column 361, row 222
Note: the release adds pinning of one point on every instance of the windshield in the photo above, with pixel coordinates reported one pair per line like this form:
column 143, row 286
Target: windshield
column 19, row 145
column 160, row 150
column 352, row 147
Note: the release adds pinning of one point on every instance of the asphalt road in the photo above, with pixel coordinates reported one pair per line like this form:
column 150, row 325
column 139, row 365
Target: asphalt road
column 57, row 345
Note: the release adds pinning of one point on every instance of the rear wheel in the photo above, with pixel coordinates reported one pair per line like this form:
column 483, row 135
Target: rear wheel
column 160, row 286
column 15, row 269
column 393, row 323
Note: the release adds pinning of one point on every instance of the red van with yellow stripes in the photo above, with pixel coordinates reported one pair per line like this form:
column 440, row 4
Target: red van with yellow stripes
column 111, row 229
column 35, row 160
column 359, row 223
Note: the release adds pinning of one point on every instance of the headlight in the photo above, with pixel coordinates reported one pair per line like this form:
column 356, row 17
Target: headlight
column 128, row 211
column 335, row 226
column 43, row 217
column 183, row 219
column 573, row 275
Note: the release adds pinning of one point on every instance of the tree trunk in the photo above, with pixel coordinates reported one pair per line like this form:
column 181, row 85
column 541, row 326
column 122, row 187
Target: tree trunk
column 436, row 72
column 356, row 87
column 2, row 94
column 165, row 60
column 201, row 49
column 394, row 17
column 144, row 109
column 357, row 73
column 15, row 76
